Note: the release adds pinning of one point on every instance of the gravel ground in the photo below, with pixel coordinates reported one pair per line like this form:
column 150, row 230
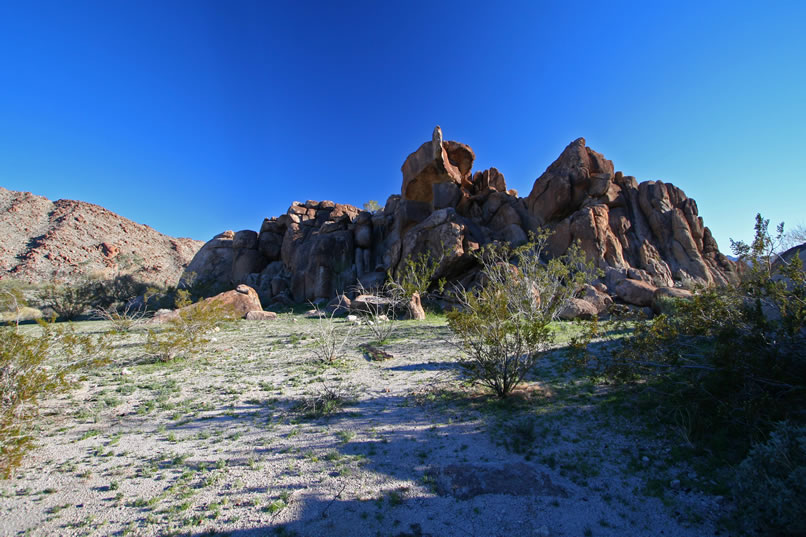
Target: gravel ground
column 231, row 442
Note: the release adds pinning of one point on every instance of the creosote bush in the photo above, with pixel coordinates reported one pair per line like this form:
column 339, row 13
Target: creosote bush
column 770, row 484
column 187, row 332
column 503, row 326
column 33, row 367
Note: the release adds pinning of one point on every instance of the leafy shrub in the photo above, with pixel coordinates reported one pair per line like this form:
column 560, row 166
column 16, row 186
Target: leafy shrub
column 771, row 483
column 503, row 326
column 187, row 331
column 416, row 275
column 69, row 300
column 33, row 367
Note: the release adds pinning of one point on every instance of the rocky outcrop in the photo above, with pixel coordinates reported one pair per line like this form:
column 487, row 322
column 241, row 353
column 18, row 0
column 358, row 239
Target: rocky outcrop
column 44, row 240
column 651, row 227
column 643, row 236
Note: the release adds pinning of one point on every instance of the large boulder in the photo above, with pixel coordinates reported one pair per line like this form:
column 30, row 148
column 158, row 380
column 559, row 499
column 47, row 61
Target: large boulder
column 635, row 292
column 240, row 300
column 237, row 303
column 663, row 295
column 435, row 162
column 212, row 264
column 577, row 308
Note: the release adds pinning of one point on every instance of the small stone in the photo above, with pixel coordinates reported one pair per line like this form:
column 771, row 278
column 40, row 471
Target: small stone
column 260, row 316
column 674, row 483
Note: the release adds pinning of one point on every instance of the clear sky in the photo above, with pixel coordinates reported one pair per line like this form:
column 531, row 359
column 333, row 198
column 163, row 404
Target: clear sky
column 200, row 116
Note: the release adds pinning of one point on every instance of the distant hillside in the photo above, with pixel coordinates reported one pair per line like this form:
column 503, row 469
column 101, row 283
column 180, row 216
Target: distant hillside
column 41, row 240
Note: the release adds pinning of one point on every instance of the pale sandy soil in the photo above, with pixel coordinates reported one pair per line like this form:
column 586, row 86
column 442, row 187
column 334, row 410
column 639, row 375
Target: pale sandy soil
column 217, row 445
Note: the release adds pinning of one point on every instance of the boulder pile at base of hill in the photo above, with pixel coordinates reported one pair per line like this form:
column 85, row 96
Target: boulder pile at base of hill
column 643, row 236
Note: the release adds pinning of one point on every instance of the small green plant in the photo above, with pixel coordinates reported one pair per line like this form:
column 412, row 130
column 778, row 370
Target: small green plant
column 416, row 274
column 327, row 401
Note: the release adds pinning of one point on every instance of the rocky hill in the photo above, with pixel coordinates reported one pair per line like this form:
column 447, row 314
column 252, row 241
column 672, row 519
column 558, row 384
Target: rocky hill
column 643, row 236
column 43, row 240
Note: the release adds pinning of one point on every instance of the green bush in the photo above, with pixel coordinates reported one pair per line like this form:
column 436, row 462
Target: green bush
column 33, row 367
column 503, row 326
column 187, row 331
column 770, row 484
column 416, row 275
column 70, row 300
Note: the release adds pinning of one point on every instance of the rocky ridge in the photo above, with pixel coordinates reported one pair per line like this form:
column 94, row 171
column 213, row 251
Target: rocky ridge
column 45, row 240
column 644, row 236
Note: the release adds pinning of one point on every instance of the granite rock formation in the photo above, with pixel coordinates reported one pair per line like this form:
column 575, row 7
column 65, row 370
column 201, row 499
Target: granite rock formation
column 643, row 236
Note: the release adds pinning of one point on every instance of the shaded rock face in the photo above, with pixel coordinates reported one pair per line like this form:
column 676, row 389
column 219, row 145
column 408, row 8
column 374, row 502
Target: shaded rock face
column 648, row 235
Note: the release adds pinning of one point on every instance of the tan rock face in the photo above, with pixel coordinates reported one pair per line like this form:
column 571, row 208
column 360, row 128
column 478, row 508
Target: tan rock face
column 651, row 226
column 577, row 308
column 260, row 316
column 240, row 300
column 415, row 307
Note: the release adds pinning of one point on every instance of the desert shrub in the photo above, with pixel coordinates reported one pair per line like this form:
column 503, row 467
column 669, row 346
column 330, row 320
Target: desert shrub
column 416, row 275
column 379, row 311
column 187, row 331
column 124, row 319
column 329, row 336
column 771, row 484
column 33, row 367
column 328, row 400
column 503, row 326
column 373, row 206
column 118, row 292
column 731, row 359
column 70, row 299
column 14, row 304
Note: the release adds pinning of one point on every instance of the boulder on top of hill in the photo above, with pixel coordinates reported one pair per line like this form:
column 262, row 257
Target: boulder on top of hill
column 435, row 162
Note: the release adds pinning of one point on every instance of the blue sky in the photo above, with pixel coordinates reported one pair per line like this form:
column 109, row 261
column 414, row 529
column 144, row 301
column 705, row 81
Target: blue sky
column 200, row 116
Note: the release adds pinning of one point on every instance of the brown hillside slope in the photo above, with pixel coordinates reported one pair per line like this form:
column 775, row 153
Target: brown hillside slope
column 41, row 240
